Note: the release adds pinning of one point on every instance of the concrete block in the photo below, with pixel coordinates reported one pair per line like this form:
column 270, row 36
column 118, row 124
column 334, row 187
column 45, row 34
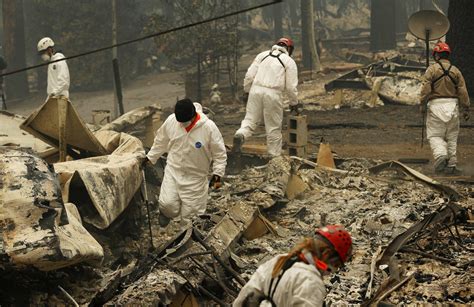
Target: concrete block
column 297, row 129
column 299, row 151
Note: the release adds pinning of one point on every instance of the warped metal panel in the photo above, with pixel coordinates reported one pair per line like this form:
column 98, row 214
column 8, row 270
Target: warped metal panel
column 36, row 228
column 102, row 187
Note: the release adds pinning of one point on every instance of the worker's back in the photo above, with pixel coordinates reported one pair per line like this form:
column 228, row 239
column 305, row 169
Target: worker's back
column 300, row 285
column 270, row 69
column 444, row 80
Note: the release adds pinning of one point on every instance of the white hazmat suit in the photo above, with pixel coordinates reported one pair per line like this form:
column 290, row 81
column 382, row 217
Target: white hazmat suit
column 58, row 77
column 266, row 80
column 442, row 129
column 190, row 154
column 300, row 285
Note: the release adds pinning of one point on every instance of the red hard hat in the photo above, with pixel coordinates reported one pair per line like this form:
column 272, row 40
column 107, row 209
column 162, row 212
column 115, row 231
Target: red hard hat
column 441, row 47
column 288, row 42
column 340, row 239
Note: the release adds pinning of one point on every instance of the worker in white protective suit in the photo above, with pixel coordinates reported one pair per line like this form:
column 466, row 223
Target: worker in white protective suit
column 58, row 72
column 193, row 142
column 271, row 73
column 296, row 278
column 443, row 93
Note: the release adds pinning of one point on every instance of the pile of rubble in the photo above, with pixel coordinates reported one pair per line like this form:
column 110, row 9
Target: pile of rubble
column 266, row 210
column 412, row 235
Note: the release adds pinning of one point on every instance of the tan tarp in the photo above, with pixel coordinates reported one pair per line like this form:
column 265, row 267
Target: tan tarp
column 102, row 187
column 36, row 228
column 44, row 124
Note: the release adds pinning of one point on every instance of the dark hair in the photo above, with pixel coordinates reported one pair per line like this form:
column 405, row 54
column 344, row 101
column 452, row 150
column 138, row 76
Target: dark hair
column 184, row 110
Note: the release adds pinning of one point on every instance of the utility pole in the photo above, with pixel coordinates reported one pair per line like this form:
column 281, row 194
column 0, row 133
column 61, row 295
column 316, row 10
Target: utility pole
column 118, row 103
column 278, row 20
column 310, row 53
column 382, row 25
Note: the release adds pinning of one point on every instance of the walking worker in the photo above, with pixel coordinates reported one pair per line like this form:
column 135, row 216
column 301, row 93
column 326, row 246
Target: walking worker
column 193, row 142
column 296, row 278
column 271, row 73
column 58, row 72
column 443, row 91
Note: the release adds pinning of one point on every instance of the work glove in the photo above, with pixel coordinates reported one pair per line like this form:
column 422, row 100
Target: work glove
column 245, row 97
column 215, row 182
column 422, row 108
column 466, row 115
column 296, row 109
column 145, row 162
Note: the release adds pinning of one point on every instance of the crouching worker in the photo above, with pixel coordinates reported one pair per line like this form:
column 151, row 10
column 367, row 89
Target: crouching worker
column 296, row 278
column 193, row 142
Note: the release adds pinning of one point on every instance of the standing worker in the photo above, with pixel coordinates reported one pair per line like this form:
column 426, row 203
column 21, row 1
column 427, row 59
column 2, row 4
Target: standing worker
column 58, row 72
column 271, row 73
column 192, row 142
column 296, row 278
column 442, row 91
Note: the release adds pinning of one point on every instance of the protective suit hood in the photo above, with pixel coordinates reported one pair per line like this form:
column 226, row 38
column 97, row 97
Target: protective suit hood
column 279, row 48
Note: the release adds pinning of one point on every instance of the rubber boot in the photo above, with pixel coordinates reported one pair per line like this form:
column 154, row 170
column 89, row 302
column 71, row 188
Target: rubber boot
column 440, row 164
column 452, row 170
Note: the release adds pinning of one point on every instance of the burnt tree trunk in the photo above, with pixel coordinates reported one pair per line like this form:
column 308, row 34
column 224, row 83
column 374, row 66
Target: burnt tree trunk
column 278, row 20
column 401, row 13
column 294, row 21
column 16, row 85
column 382, row 25
column 310, row 53
column 461, row 37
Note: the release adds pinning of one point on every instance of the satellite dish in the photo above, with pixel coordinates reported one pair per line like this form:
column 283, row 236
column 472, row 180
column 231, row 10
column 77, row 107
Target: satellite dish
column 428, row 25
column 434, row 23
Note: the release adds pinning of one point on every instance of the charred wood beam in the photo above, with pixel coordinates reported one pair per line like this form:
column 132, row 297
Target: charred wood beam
column 446, row 190
column 428, row 255
column 198, row 237
column 346, row 83
column 447, row 214
column 390, row 286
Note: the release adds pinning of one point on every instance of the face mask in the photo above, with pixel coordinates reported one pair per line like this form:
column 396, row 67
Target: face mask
column 45, row 57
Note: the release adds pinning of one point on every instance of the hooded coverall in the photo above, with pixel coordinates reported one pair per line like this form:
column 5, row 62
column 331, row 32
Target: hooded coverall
column 266, row 79
column 58, row 77
column 190, row 154
column 442, row 122
column 300, row 285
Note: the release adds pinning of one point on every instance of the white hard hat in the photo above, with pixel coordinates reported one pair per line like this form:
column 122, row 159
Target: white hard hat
column 45, row 43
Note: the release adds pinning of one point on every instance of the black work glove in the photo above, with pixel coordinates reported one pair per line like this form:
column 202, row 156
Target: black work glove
column 422, row 108
column 466, row 115
column 145, row 162
column 245, row 97
column 296, row 109
column 215, row 182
